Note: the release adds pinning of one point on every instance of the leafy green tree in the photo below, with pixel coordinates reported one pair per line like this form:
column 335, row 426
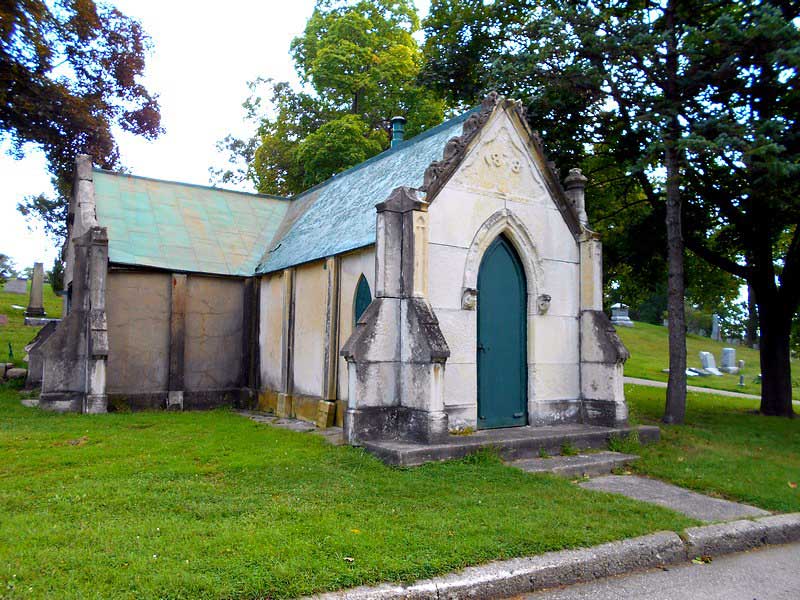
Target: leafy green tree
column 7, row 267
column 359, row 63
column 695, row 101
column 69, row 74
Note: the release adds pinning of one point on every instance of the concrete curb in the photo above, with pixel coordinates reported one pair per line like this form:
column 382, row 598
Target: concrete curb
column 567, row 567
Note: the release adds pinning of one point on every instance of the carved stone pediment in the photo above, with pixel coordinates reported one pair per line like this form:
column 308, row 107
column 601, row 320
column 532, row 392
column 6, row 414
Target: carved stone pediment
column 501, row 165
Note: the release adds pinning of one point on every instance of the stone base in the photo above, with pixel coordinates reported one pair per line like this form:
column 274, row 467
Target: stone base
column 33, row 311
column 61, row 402
column 621, row 322
column 96, row 404
column 175, row 400
column 32, row 321
column 394, row 422
column 605, row 413
column 326, row 412
column 284, row 406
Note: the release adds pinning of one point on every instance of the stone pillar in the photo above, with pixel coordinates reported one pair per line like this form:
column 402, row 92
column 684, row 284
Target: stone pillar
column 96, row 400
column 326, row 409
column 602, row 352
column 74, row 356
column 396, row 354
column 36, row 302
column 177, row 340
column 284, row 408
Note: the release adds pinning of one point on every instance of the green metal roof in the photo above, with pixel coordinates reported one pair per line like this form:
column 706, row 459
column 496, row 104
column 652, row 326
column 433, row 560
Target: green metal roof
column 339, row 214
column 184, row 227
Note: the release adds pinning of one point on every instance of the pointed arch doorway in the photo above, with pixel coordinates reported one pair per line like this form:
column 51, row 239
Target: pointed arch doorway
column 502, row 338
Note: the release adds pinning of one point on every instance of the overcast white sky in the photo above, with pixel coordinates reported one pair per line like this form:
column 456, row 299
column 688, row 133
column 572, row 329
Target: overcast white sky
column 200, row 64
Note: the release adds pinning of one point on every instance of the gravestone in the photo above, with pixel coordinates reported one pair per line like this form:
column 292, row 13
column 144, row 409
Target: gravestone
column 709, row 363
column 619, row 315
column 16, row 286
column 715, row 333
column 728, row 361
column 740, row 364
column 36, row 302
column 3, row 319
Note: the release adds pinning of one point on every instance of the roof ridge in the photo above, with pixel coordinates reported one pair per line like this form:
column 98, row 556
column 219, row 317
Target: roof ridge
column 195, row 185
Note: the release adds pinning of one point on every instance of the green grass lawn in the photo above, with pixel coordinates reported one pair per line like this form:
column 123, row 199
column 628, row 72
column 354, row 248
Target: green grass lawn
column 724, row 449
column 212, row 505
column 16, row 332
column 649, row 348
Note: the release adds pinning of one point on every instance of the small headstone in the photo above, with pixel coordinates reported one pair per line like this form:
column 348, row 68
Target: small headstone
column 619, row 315
column 700, row 372
column 740, row 364
column 741, row 380
column 36, row 303
column 709, row 363
column 715, row 333
column 728, row 361
column 16, row 286
column 3, row 319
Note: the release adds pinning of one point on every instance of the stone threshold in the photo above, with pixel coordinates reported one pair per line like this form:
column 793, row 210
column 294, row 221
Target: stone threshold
column 511, row 444
column 578, row 465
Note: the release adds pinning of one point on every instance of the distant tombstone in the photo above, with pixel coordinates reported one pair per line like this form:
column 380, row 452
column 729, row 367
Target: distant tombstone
column 715, row 333
column 740, row 364
column 36, row 302
column 3, row 319
column 619, row 315
column 16, row 286
column 709, row 363
column 728, row 361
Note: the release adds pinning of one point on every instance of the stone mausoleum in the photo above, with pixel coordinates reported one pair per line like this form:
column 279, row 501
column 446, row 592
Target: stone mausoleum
column 451, row 282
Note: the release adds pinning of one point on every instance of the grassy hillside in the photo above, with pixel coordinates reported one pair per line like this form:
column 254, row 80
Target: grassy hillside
column 649, row 348
column 16, row 333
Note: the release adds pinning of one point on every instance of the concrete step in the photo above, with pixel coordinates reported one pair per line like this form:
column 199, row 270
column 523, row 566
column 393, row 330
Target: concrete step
column 511, row 444
column 578, row 465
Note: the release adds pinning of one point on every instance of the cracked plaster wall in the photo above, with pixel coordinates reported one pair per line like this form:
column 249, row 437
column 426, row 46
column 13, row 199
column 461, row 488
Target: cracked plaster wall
column 271, row 330
column 311, row 295
column 213, row 350
column 138, row 308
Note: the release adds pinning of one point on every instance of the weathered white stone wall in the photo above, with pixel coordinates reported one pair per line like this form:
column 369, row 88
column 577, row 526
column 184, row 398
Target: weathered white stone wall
column 270, row 330
column 353, row 265
column 310, row 306
column 500, row 173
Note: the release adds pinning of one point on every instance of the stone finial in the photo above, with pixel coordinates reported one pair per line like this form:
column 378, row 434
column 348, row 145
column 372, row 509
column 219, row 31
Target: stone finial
column 575, row 186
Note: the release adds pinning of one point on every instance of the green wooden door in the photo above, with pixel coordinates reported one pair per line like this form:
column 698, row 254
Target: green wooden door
column 502, row 338
column 362, row 300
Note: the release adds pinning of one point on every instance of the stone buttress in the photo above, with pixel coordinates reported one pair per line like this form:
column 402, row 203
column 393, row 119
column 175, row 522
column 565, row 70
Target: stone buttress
column 396, row 354
column 602, row 352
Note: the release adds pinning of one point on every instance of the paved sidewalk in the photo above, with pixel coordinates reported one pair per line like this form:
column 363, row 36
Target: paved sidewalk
column 691, row 388
column 768, row 574
column 698, row 506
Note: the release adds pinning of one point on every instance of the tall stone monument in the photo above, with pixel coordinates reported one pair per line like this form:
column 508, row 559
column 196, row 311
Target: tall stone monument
column 36, row 302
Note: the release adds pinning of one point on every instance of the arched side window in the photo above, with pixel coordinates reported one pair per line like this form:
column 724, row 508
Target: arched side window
column 362, row 299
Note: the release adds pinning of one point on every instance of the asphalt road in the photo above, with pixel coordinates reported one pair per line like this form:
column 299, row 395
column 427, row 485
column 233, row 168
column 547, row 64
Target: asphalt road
column 769, row 574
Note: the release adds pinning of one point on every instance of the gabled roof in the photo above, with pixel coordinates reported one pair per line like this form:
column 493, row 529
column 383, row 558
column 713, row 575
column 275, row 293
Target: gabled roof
column 339, row 214
column 184, row 227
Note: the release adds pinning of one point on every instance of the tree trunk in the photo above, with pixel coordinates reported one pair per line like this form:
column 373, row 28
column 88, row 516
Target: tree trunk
column 751, row 335
column 776, row 378
column 675, row 409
